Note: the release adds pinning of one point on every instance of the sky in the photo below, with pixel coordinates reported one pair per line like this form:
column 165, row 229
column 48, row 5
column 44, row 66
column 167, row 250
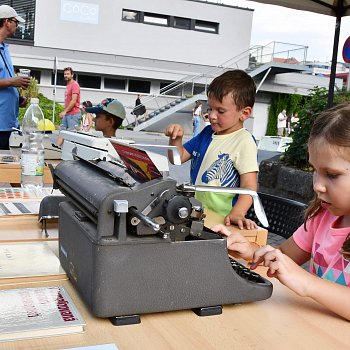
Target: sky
column 277, row 23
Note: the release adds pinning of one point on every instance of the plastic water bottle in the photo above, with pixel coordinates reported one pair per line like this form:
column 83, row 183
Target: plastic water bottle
column 32, row 156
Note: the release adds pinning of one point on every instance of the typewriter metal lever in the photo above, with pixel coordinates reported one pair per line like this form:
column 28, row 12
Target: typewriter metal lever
column 258, row 208
column 144, row 219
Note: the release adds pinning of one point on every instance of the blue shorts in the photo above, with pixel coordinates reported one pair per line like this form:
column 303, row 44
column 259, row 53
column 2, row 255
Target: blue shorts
column 196, row 125
column 70, row 122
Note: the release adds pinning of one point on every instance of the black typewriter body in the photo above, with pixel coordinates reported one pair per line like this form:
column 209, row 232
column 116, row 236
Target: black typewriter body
column 135, row 248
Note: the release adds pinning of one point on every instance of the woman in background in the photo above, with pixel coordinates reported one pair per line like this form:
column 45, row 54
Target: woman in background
column 196, row 117
column 87, row 119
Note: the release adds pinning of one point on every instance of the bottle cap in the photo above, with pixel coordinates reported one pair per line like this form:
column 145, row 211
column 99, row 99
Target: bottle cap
column 34, row 100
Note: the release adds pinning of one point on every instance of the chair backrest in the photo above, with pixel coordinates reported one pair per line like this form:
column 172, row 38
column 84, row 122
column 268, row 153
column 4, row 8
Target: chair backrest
column 49, row 207
column 284, row 215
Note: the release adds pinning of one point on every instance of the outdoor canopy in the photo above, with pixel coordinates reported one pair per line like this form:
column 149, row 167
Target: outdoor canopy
column 336, row 8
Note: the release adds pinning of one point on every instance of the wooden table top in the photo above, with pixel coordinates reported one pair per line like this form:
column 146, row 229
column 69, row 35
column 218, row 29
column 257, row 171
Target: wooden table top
column 284, row 321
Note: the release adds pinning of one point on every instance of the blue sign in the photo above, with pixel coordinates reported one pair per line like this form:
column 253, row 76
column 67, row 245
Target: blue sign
column 346, row 50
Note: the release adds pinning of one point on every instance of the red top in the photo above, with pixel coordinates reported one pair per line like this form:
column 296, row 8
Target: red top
column 72, row 88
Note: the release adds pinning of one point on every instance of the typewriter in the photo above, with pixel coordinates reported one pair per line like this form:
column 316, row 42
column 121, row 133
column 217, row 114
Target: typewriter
column 133, row 242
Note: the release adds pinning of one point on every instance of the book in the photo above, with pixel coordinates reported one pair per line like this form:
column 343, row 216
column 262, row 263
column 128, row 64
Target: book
column 9, row 158
column 96, row 347
column 27, row 262
column 38, row 312
column 9, row 194
column 19, row 208
column 139, row 164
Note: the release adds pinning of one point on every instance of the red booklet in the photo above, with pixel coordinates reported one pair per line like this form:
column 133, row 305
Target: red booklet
column 140, row 166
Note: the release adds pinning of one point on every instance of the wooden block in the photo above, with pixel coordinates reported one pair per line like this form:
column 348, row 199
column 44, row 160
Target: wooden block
column 259, row 235
column 23, row 228
column 11, row 173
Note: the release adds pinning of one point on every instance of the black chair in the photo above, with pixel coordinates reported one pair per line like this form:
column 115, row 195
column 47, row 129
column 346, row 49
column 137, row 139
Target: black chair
column 284, row 215
column 49, row 210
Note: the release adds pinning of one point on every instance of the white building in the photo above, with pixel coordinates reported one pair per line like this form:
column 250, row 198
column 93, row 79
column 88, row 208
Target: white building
column 122, row 48
column 324, row 68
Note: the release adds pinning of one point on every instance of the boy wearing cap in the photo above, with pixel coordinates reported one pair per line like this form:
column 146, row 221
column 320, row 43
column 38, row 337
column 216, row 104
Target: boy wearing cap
column 9, row 82
column 110, row 114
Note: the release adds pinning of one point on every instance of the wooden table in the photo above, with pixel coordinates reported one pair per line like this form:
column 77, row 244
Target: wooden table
column 24, row 228
column 259, row 235
column 11, row 173
column 285, row 321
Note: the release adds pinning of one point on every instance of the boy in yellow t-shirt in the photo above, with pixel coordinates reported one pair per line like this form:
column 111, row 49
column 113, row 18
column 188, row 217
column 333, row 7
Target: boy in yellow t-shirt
column 224, row 154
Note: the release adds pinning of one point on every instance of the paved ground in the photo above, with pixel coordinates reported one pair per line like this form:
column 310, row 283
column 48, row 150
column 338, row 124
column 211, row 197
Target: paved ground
column 274, row 240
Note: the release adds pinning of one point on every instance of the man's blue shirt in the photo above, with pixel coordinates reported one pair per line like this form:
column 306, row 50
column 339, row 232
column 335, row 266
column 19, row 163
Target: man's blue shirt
column 9, row 97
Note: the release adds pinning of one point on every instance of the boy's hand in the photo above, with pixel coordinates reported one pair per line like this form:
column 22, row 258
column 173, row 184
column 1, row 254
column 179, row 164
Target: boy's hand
column 237, row 245
column 174, row 131
column 283, row 268
column 240, row 221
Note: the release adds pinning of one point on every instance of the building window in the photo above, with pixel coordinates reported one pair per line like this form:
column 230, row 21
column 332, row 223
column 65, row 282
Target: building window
column 36, row 74
column 205, row 26
column 60, row 79
column 182, row 23
column 139, row 86
column 171, row 88
column 169, row 21
column 164, row 86
column 154, row 18
column 25, row 9
column 131, row 15
column 33, row 73
column 115, row 84
column 198, row 89
column 89, row 81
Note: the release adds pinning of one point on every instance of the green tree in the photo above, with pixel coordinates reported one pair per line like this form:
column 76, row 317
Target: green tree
column 31, row 91
column 45, row 103
column 279, row 102
column 314, row 104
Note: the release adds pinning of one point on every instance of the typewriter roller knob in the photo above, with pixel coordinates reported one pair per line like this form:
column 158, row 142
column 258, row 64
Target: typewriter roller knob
column 178, row 209
column 183, row 213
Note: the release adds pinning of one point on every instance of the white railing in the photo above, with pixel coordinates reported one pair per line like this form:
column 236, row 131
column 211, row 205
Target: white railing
column 197, row 84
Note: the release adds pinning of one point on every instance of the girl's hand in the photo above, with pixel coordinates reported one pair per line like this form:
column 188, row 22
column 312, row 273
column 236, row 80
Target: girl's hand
column 237, row 245
column 283, row 268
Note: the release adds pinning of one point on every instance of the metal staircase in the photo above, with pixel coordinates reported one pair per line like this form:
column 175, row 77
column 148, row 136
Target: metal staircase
column 178, row 111
column 175, row 101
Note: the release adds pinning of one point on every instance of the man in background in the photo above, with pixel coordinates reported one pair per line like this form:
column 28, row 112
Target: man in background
column 71, row 114
column 281, row 123
column 9, row 82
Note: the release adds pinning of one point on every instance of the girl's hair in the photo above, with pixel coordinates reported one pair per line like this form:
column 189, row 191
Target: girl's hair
column 333, row 127
column 345, row 249
column 87, row 104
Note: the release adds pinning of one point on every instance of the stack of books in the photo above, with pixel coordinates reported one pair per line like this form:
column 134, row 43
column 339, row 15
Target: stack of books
column 28, row 262
column 38, row 312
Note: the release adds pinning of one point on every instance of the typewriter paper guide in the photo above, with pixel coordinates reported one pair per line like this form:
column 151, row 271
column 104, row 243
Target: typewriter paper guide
column 86, row 146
